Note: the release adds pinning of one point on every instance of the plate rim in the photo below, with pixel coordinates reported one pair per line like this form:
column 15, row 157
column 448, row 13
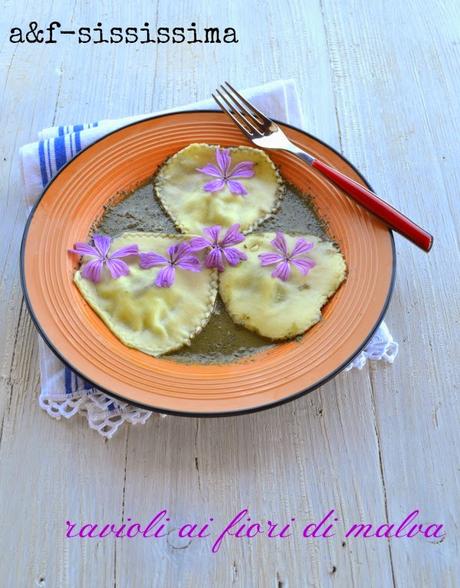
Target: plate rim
column 190, row 414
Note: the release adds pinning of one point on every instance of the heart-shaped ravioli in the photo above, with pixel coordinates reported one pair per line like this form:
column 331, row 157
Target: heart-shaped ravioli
column 204, row 185
column 279, row 291
column 158, row 307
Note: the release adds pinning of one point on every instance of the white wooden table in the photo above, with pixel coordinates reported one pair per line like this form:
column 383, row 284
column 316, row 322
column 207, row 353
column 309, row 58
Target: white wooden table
column 380, row 82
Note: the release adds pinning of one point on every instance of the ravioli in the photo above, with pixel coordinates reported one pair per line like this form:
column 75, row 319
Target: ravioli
column 146, row 317
column 180, row 189
column 280, row 309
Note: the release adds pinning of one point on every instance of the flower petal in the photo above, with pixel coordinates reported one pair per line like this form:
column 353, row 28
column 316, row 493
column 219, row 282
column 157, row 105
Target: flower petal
column 214, row 259
column 166, row 277
column 279, row 242
column 301, row 246
column 282, row 271
column 303, row 265
column 270, row 258
column 214, row 186
column 213, row 233
column 178, row 250
column 210, row 170
column 236, row 188
column 149, row 259
column 117, row 268
column 223, row 159
column 244, row 169
column 234, row 256
column 93, row 270
column 84, row 249
column 199, row 243
column 102, row 244
column 125, row 251
column 189, row 262
column 232, row 236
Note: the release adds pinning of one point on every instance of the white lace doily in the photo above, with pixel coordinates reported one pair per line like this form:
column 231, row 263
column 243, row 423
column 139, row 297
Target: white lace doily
column 95, row 407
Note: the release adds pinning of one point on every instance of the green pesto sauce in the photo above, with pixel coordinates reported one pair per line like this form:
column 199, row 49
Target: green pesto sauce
column 221, row 341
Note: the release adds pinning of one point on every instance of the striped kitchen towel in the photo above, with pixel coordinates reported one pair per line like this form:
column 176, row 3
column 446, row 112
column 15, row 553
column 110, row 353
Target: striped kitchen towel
column 63, row 393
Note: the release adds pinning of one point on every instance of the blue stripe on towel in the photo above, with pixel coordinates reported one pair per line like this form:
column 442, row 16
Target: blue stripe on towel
column 60, row 131
column 77, row 128
column 81, row 383
column 78, row 142
column 59, row 152
column 41, row 156
column 68, row 380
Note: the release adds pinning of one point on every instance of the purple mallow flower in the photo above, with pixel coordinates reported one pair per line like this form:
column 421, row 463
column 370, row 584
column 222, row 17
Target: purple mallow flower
column 220, row 250
column 99, row 252
column 226, row 175
column 178, row 256
column 284, row 259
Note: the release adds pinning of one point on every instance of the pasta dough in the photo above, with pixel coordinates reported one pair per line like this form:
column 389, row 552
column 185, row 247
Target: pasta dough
column 152, row 319
column 271, row 307
column 179, row 187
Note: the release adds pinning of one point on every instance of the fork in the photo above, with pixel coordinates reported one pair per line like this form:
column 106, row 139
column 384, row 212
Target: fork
column 267, row 134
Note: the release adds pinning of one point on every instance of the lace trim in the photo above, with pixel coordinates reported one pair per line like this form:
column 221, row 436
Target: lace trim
column 95, row 407
column 381, row 346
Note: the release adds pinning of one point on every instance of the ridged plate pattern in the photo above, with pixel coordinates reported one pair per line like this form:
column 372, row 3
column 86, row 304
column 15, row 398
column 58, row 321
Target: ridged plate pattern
column 118, row 162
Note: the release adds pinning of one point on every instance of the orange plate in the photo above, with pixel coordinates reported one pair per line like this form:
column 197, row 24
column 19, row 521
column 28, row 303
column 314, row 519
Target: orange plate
column 75, row 199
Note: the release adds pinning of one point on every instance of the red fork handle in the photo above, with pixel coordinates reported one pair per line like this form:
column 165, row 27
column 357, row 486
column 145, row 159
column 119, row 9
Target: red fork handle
column 393, row 218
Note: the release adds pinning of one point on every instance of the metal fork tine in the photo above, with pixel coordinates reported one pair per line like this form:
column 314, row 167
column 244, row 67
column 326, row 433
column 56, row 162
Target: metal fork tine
column 256, row 113
column 240, row 109
column 242, row 119
column 230, row 114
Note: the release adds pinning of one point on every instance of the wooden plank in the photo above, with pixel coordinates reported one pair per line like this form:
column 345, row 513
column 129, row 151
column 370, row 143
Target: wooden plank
column 401, row 88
